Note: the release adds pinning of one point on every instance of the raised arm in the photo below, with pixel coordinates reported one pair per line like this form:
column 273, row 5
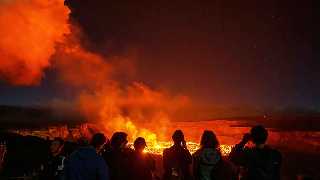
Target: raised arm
column 238, row 153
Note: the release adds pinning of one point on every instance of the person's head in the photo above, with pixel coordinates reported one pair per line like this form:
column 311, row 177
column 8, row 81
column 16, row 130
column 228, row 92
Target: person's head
column 97, row 141
column 139, row 144
column 209, row 140
column 259, row 135
column 56, row 145
column 178, row 137
column 119, row 140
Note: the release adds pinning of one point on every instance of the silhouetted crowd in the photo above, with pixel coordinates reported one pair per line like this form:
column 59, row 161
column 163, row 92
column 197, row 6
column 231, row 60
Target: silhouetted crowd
column 101, row 159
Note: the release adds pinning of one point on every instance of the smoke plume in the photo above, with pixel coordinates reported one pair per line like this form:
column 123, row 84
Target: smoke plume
column 113, row 105
column 29, row 31
column 35, row 35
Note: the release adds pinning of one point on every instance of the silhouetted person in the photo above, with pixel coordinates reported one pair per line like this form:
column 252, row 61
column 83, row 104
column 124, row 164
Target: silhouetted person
column 53, row 168
column 207, row 157
column 258, row 162
column 208, row 163
column 86, row 163
column 177, row 159
column 118, row 157
column 143, row 165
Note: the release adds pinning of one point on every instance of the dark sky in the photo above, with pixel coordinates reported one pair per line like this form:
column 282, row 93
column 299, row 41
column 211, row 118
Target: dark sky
column 220, row 52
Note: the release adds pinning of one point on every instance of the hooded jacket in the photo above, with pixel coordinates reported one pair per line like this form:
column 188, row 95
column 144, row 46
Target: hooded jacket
column 86, row 164
column 204, row 162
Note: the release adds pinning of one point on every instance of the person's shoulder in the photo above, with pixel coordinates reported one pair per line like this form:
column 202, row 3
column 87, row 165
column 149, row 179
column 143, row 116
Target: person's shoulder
column 197, row 153
column 128, row 151
column 149, row 157
column 74, row 157
column 186, row 151
column 166, row 150
column 250, row 151
column 74, row 154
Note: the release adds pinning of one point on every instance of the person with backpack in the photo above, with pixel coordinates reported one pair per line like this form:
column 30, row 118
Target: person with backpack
column 177, row 159
column 260, row 162
column 208, row 163
column 206, row 159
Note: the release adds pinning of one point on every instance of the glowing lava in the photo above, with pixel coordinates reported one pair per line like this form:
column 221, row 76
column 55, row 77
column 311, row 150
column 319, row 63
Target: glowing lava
column 158, row 147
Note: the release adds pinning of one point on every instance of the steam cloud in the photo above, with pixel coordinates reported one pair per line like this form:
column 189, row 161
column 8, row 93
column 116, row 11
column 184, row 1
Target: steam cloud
column 113, row 105
column 29, row 31
column 36, row 35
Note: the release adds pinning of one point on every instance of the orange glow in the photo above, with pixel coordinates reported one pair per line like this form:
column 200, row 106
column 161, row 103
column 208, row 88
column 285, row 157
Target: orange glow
column 29, row 34
column 29, row 31
column 227, row 133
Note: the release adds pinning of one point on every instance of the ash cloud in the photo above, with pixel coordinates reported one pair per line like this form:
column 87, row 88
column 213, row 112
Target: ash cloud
column 29, row 31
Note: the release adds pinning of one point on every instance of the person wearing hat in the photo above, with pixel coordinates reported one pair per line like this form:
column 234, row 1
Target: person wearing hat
column 143, row 165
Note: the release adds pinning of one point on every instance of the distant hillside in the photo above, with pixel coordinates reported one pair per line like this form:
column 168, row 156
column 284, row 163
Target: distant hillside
column 33, row 117
column 196, row 112
column 287, row 119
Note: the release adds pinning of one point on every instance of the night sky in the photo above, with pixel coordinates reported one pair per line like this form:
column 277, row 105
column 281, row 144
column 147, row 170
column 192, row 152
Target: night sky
column 220, row 52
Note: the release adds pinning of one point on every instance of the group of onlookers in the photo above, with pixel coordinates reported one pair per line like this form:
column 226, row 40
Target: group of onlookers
column 101, row 159
column 259, row 162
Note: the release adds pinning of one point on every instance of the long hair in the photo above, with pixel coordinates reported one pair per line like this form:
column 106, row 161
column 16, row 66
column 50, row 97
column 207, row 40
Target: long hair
column 209, row 140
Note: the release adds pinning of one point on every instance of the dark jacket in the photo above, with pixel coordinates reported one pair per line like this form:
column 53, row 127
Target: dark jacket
column 118, row 160
column 176, row 163
column 142, row 166
column 86, row 164
column 258, row 163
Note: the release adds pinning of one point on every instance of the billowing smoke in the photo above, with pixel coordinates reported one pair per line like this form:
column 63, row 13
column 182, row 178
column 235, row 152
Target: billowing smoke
column 29, row 31
column 111, row 104
column 35, row 35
